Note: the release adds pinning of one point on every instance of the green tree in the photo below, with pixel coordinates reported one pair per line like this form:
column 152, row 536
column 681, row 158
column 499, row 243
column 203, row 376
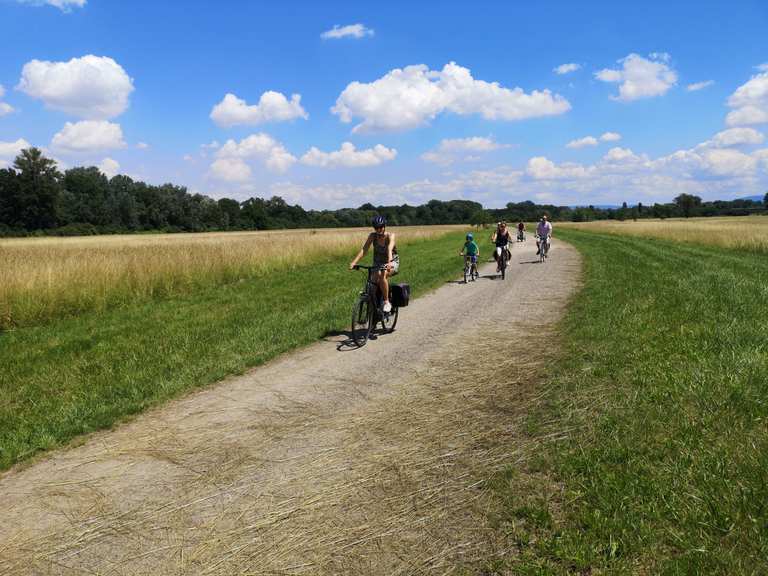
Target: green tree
column 39, row 188
column 687, row 204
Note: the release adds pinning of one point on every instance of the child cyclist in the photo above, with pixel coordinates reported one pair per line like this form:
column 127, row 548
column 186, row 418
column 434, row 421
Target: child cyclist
column 470, row 251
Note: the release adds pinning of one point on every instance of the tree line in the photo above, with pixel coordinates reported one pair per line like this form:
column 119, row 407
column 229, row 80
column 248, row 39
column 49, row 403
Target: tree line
column 36, row 198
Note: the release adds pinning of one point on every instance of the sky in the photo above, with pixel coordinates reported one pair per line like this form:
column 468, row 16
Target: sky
column 335, row 104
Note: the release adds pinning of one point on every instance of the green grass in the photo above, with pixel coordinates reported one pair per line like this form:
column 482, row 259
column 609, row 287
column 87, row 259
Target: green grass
column 663, row 387
column 77, row 375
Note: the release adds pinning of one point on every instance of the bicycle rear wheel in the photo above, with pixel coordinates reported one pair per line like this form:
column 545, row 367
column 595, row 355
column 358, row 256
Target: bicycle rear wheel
column 362, row 321
column 503, row 266
column 389, row 321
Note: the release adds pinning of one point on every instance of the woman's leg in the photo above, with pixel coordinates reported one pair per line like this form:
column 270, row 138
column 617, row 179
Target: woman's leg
column 384, row 285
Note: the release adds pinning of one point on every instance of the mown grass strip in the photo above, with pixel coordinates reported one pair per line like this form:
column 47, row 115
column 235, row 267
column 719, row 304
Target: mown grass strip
column 662, row 398
column 77, row 375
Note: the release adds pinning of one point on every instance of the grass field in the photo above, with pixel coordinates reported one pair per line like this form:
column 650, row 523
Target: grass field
column 47, row 278
column 738, row 232
column 655, row 419
column 73, row 375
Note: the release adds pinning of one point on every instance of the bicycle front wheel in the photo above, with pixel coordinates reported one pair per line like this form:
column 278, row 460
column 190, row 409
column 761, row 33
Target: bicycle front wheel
column 362, row 321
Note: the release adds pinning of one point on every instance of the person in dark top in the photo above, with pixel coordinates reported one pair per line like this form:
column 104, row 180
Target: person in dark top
column 384, row 254
column 501, row 239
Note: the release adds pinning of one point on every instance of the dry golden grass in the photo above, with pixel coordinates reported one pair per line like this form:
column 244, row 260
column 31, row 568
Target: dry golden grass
column 743, row 232
column 44, row 278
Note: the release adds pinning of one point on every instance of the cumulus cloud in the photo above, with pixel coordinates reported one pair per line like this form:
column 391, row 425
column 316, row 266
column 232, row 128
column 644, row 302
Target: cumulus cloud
column 91, row 87
column 9, row 151
column 348, row 31
column 412, row 96
column 142, row 145
column 230, row 170
column 696, row 86
column 453, row 149
column 640, row 77
column 592, row 141
column 231, row 158
column 88, row 136
column 735, row 137
column 348, row 156
column 749, row 102
column 109, row 167
column 566, row 68
column 5, row 108
column 272, row 107
column 582, row 142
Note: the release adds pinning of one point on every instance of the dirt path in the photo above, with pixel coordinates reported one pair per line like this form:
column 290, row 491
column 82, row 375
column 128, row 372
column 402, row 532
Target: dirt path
column 325, row 461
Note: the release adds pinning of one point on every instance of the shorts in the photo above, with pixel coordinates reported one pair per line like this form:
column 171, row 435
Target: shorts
column 395, row 266
column 472, row 258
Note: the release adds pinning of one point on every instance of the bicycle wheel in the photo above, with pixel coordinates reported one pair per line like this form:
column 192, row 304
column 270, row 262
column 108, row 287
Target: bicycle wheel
column 465, row 273
column 503, row 266
column 389, row 321
column 362, row 321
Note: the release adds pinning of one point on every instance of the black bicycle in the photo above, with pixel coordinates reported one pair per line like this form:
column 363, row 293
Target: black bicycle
column 368, row 310
column 502, row 257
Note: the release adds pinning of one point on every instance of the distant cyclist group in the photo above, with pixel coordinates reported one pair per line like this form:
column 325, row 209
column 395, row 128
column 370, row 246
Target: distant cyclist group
column 379, row 301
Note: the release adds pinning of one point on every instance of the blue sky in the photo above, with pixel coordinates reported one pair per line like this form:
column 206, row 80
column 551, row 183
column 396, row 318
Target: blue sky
column 141, row 88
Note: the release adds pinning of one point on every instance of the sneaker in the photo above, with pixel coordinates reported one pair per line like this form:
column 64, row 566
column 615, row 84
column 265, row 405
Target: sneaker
column 387, row 307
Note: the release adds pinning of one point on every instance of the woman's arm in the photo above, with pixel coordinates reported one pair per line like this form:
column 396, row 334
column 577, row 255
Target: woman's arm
column 390, row 248
column 363, row 251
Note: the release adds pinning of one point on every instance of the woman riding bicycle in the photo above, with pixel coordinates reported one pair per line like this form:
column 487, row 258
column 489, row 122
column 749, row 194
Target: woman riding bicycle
column 501, row 239
column 384, row 255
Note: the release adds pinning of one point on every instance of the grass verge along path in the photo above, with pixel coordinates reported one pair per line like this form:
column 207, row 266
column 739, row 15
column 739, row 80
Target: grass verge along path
column 657, row 417
column 77, row 375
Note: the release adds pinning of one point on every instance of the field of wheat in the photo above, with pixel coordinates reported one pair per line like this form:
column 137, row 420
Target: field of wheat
column 44, row 278
column 740, row 232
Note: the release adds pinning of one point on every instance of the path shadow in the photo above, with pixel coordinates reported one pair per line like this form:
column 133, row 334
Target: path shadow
column 345, row 345
column 530, row 261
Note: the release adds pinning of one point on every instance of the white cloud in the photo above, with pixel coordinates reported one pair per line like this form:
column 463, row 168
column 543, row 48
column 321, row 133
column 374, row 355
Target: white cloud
column 231, row 157
column 92, row 87
column 88, row 136
column 272, row 107
column 582, row 142
column 699, row 85
column 735, row 137
column 213, row 145
column 412, row 96
column 4, row 107
column 541, row 168
column 452, row 149
column 610, row 137
column 750, row 102
column 63, row 5
column 762, row 67
column 230, row 170
column 349, row 31
column 728, row 162
column 9, row 150
column 348, row 156
column 142, row 146
column 640, row 78
column 109, row 167
column 566, row 68
column 762, row 157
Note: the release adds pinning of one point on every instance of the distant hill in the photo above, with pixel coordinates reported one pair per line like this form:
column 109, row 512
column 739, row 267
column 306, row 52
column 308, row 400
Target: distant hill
column 754, row 198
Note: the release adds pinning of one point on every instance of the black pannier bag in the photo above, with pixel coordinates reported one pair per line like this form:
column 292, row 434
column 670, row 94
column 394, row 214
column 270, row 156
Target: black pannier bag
column 399, row 294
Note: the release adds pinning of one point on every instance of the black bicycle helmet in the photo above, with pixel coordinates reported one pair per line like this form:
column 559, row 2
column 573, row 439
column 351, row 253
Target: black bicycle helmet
column 378, row 222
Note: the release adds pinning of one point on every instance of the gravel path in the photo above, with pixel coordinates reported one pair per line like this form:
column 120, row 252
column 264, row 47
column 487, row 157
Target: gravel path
column 328, row 460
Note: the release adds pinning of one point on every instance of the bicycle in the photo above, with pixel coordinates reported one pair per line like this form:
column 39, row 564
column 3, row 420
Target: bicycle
column 502, row 257
column 367, row 311
column 543, row 249
column 470, row 268
column 520, row 236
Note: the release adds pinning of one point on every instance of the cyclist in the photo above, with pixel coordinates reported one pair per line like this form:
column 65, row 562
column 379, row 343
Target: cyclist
column 384, row 254
column 544, row 232
column 470, row 250
column 501, row 239
column 521, row 231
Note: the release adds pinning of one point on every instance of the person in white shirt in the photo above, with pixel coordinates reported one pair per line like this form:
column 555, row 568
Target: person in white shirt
column 543, row 231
